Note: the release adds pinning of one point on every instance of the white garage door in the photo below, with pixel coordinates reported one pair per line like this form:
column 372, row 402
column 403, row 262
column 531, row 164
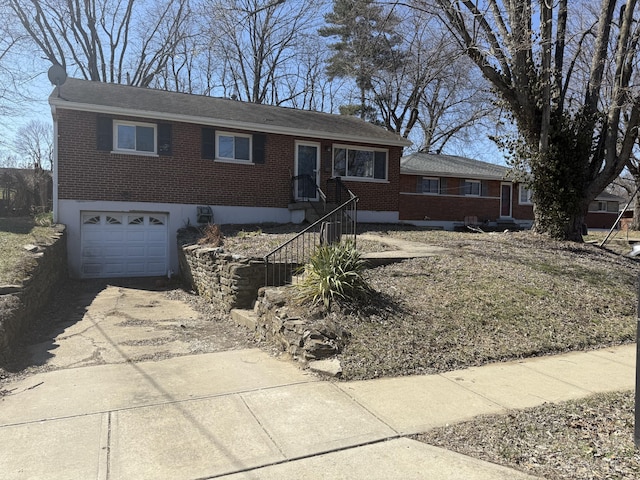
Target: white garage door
column 117, row 244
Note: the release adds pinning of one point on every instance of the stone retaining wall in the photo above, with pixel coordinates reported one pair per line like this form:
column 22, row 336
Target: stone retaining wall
column 305, row 337
column 234, row 280
column 21, row 304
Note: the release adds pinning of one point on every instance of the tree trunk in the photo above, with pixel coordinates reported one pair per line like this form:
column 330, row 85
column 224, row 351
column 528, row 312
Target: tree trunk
column 562, row 225
column 635, row 221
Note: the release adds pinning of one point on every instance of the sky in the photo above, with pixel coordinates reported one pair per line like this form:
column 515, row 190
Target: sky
column 38, row 109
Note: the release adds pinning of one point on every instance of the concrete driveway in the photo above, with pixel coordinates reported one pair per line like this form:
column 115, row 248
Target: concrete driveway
column 122, row 395
column 100, row 322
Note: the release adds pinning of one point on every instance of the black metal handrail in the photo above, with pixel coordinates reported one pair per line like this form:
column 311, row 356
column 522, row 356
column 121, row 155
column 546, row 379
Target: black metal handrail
column 337, row 190
column 282, row 263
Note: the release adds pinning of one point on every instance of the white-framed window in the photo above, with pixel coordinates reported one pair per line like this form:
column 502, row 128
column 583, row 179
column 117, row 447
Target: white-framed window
column 134, row 137
column 472, row 188
column 525, row 195
column 604, row 206
column 359, row 162
column 430, row 185
column 234, row 147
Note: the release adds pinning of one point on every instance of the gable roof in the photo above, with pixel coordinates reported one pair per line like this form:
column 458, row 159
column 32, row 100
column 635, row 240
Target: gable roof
column 430, row 164
column 116, row 99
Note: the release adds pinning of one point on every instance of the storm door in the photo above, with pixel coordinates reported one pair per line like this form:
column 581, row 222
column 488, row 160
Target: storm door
column 307, row 171
column 505, row 200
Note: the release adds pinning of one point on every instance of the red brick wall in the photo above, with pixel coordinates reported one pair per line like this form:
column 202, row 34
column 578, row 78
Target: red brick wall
column 521, row 212
column 448, row 208
column 601, row 219
column 454, row 207
column 184, row 177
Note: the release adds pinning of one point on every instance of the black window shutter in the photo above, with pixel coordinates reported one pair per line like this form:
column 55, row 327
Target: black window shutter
column 208, row 143
column 419, row 184
column 484, row 188
column 104, row 134
column 259, row 142
column 164, row 139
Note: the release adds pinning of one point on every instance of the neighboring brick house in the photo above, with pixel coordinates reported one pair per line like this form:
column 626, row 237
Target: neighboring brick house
column 450, row 192
column 133, row 165
column 446, row 191
column 604, row 211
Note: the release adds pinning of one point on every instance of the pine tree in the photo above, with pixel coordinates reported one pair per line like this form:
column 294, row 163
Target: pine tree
column 368, row 42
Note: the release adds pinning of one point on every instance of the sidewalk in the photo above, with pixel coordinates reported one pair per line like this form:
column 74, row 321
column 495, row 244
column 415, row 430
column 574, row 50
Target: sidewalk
column 245, row 415
column 398, row 250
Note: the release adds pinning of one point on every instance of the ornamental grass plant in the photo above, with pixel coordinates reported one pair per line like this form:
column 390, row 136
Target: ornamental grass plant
column 334, row 273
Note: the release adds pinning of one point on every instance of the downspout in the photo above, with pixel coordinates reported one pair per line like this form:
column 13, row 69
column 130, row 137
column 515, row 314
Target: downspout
column 55, row 164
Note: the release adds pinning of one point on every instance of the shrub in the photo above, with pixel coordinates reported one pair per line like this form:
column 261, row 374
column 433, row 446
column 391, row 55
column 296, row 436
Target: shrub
column 211, row 235
column 334, row 272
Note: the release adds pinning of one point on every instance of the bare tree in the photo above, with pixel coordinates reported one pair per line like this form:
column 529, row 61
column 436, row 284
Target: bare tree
column 577, row 122
column 34, row 143
column 118, row 41
column 431, row 86
column 14, row 72
column 258, row 43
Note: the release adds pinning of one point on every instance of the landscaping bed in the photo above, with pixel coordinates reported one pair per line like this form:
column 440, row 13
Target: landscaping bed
column 492, row 297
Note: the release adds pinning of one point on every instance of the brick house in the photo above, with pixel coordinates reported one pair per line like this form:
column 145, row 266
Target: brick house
column 445, row 191
column 134, row 165
column 450, row 192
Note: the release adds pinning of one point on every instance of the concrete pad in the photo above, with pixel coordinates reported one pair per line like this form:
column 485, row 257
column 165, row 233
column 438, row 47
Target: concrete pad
column 114, row 325
column 514, row 386
column 400, row 459
column 183, row 440
column 313, row 418
column 589, row 372
column 417, row 403
column 73, row 448
column 625, row 354
column 102, row 388
column 224, row 372
column 142, row 304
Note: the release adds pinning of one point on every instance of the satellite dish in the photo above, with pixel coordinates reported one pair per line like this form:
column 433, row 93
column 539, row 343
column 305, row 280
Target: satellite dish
column 57, row 75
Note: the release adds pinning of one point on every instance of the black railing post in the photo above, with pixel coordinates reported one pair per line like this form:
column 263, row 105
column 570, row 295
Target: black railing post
column 636, row 432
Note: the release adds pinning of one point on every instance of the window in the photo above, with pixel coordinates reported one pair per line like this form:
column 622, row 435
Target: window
column 471, row 187
column 134, row 137
column 359, row 163
column 604, row 206
column 430, row 185
column 233, row 146
column 526, row 196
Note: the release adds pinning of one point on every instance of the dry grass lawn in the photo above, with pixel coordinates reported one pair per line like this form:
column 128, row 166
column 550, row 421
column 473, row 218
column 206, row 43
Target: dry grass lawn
column 493, row 297
column 15, row 262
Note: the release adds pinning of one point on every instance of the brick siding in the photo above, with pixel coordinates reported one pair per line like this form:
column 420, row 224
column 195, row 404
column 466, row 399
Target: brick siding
column 85, row 173
column 453, row 206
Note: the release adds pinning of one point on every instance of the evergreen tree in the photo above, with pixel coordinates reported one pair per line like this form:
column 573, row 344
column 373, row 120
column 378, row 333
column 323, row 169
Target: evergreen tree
column 367, row 43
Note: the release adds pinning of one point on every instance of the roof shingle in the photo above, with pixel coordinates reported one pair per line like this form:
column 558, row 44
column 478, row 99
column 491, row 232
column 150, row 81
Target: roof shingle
column 102, row 97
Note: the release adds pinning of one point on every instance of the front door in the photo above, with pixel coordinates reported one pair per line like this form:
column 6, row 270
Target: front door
column 505, row 200
column 307, row 171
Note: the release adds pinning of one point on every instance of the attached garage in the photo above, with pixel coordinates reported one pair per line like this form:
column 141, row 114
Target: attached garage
column 124, row 244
